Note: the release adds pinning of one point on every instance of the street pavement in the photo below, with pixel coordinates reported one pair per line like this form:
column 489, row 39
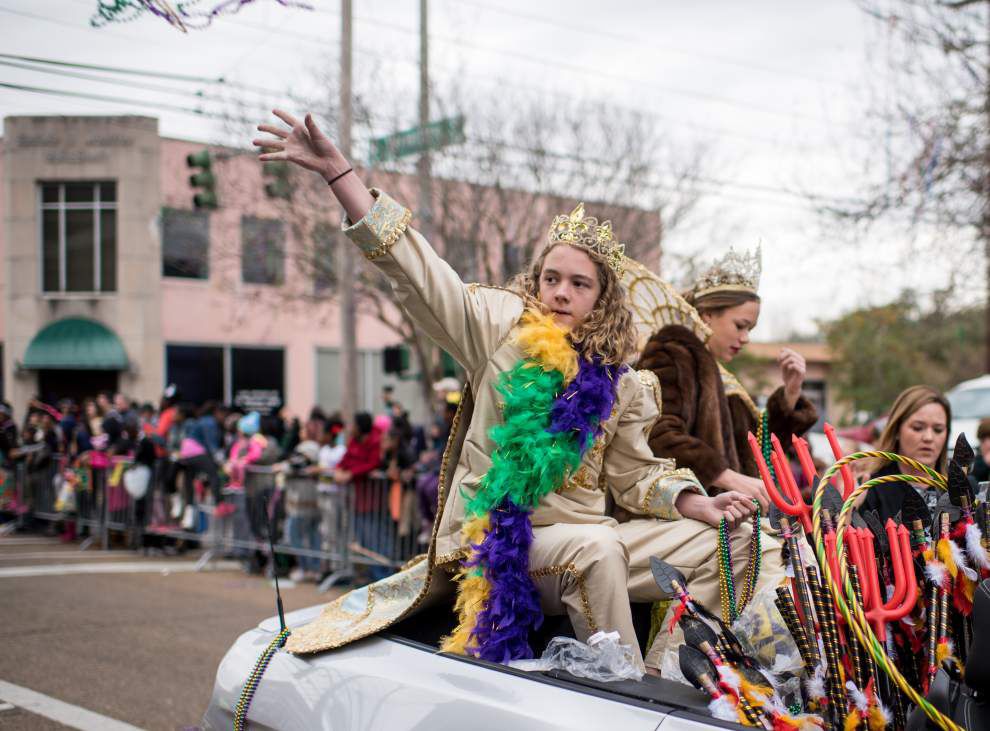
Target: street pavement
column 133, row 639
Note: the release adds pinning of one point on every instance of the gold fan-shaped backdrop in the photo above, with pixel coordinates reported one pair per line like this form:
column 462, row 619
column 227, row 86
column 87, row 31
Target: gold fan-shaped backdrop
column 656, row 304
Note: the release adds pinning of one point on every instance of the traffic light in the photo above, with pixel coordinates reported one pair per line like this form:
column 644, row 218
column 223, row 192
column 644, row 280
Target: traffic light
column 279, row 185
column 395, row 359
column 204, row 180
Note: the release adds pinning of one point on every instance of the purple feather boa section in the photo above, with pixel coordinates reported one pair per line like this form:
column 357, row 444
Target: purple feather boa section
column 586, row 403
column 513, row 608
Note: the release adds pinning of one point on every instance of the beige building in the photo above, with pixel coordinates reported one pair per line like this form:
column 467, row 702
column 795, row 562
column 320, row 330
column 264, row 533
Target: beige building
column 80, row 253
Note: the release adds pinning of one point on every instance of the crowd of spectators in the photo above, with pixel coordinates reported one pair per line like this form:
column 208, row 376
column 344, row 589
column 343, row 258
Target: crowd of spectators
column 234, row 462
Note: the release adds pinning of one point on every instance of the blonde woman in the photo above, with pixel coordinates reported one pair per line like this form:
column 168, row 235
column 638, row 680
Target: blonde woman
column 918, row 427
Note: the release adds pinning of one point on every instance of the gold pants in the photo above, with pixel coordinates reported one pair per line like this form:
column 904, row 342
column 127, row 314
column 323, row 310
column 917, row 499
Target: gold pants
column 592, row 572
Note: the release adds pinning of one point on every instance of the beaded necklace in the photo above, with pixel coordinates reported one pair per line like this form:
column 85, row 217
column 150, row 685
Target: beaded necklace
column 731, row 609
column 763, row 437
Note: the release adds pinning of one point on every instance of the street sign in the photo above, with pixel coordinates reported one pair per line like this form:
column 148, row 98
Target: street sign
column 443, row 132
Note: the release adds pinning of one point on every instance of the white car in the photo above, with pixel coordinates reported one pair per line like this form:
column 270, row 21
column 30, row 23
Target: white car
column 397, row 680
column 970, row 402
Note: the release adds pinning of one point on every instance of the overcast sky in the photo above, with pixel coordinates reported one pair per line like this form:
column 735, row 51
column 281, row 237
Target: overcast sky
column 779, row 90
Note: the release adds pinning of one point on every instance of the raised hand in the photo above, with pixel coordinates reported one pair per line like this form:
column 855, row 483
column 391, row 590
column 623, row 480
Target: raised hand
column 302, row 143
column 305, row 145
column 792, row 371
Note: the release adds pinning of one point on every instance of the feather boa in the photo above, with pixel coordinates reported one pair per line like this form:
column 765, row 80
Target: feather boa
column 946, row 556
column 724, row 709
column 815, row 685
column 936, row 573
column 554, row 405
column 974, row 546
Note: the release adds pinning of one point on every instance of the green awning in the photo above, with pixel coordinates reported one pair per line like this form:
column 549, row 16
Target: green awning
column 76, row 344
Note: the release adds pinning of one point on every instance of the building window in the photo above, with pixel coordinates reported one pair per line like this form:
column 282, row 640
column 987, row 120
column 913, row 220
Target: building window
column 262, row 251
column 185, row 243
column 79, row 237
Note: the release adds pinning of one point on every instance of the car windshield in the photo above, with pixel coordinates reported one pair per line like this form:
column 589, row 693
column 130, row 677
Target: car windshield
column 973, row 403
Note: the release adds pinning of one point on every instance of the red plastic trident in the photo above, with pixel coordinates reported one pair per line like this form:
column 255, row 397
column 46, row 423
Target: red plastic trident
column 878, row 612
column 788, row 498
column 848, row 483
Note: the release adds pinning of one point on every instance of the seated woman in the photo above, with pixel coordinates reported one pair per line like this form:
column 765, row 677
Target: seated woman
column 707, row 413
column 551, row 419
column 918, row 427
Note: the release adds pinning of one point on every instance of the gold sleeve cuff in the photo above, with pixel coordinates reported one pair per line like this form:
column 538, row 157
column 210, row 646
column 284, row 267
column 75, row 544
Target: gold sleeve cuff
column 381, row 227
column 662, row 493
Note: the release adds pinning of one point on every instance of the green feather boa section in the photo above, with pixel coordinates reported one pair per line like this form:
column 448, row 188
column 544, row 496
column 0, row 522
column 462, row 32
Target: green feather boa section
column 529, row 462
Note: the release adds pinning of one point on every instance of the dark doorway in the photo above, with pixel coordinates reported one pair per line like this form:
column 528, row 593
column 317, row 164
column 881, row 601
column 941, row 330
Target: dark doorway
column 197, row 371
column 77, row 385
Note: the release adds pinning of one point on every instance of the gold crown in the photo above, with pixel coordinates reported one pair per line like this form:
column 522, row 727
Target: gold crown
column 577, row 229
column 733, row 272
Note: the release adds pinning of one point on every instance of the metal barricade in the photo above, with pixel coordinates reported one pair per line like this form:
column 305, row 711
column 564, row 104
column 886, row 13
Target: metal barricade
column 366, row 529
column 47, row 484
column 90, row 491
column 385, row 516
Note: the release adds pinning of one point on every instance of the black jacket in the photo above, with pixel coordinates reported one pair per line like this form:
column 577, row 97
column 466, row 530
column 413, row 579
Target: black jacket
column 888, row 500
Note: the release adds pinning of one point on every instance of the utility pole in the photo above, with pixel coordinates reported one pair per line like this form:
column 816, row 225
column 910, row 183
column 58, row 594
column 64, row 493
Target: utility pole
column 423, row 167
column 345, row 254
column 423, row 171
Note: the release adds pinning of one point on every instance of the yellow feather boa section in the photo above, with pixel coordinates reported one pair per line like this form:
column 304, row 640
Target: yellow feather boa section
column 472, row 593
column 546, row 342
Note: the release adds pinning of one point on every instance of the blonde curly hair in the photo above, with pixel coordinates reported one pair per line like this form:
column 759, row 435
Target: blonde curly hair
column 608, row 330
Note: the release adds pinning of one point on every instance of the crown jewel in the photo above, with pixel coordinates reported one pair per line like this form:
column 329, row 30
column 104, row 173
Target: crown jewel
column 577, row 229
column 734, row 271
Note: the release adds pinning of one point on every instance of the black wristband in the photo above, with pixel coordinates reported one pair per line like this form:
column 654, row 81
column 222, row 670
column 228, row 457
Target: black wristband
column 335, row 179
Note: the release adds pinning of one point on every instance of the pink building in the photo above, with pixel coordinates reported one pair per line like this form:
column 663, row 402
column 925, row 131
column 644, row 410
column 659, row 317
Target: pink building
column 112, row 280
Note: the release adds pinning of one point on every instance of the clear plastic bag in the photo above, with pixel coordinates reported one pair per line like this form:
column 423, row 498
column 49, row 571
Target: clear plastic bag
column 764, row 634
column 604, row 658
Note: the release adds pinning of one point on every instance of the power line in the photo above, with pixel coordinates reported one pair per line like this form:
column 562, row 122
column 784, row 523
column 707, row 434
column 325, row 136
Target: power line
column 140, row 72
column 601, row 32
column 115, row 82
column 125, row 101
column 750, row 192
column 322, row 42
column 589, row 70
column 705, row 180
column 114, row 69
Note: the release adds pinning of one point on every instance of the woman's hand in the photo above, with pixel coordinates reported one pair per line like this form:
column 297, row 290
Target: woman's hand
column 303, row 143
column 751, row 487
column 792, row 370
column 731, row 505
